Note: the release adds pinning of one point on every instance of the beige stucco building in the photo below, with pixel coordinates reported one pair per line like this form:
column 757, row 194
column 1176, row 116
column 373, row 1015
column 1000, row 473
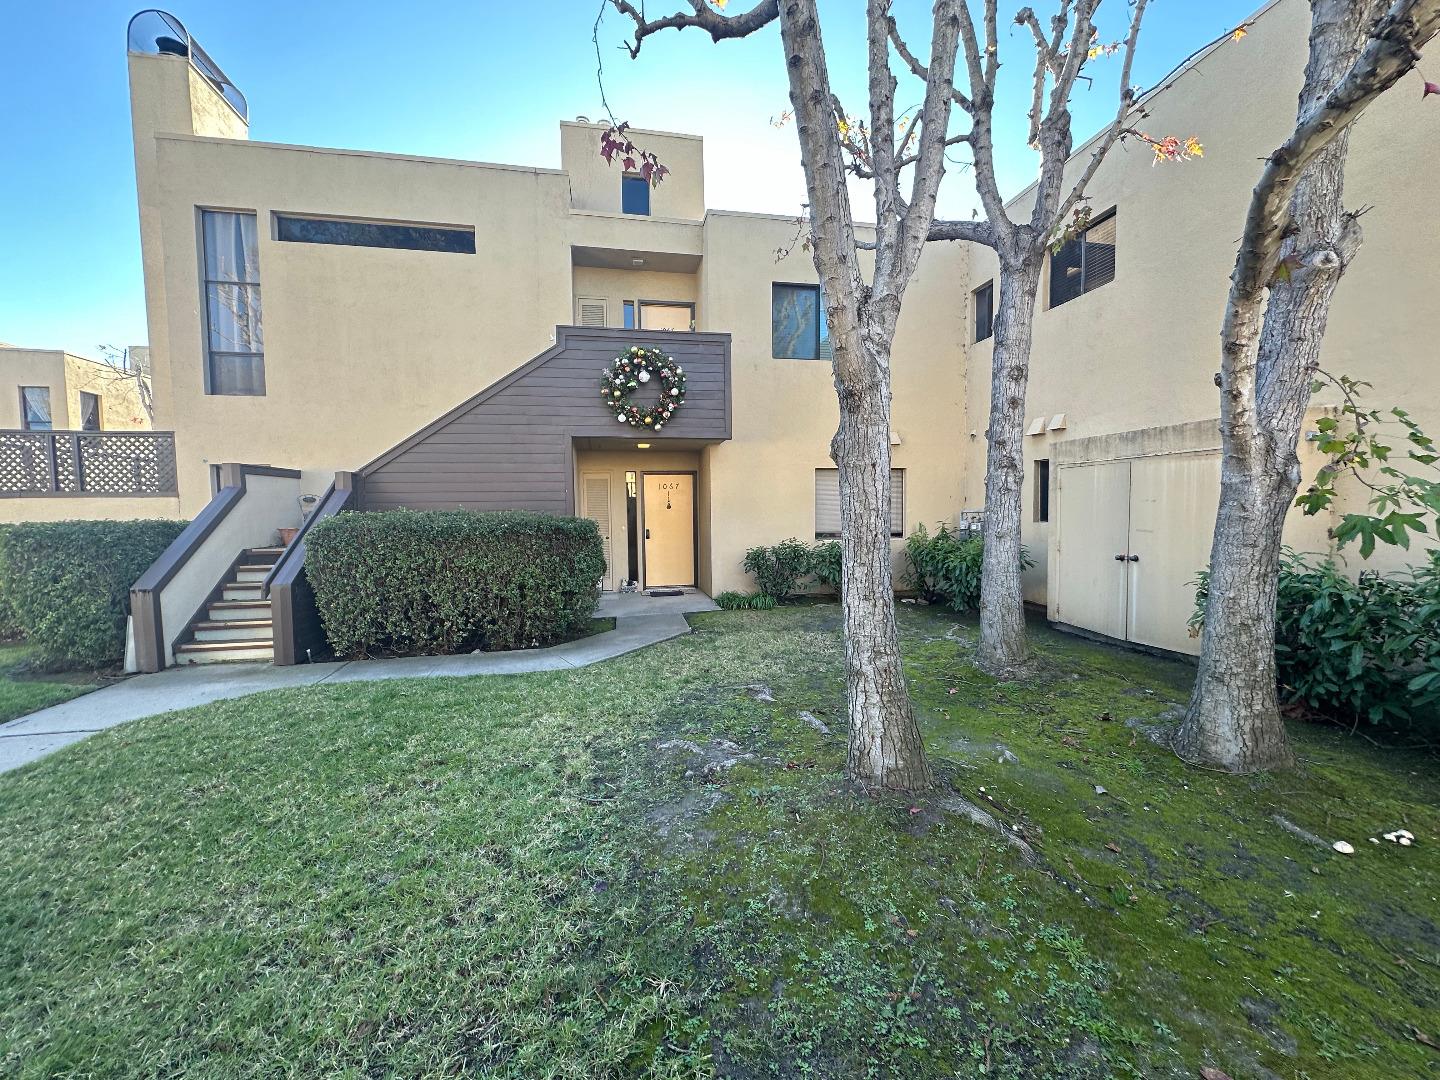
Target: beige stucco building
column 49, row 389
column 385, row 330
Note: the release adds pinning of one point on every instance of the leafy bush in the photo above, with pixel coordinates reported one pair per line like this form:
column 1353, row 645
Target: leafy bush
column 825, row 563
column 1357, row 649
column 443, row 581
column 778, row 569
column 945, row 565
column 10, row 628
column 68, row 583
column 739, row 601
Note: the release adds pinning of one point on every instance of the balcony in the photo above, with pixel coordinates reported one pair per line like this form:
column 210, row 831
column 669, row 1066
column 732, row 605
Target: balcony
column 56, row 464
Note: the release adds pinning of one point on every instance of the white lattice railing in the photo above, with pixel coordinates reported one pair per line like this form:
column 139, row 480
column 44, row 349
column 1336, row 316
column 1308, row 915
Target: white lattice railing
column 35, row 464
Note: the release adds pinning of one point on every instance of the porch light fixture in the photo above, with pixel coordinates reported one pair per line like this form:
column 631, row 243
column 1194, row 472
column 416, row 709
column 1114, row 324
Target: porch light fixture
column 642, row 446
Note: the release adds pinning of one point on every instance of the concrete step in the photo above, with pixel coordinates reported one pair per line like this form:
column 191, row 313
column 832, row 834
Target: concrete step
column 252, row 572
column 263, row 555
column 219, row 652
column 234, row 630
column 224, row 610
column 241, row 590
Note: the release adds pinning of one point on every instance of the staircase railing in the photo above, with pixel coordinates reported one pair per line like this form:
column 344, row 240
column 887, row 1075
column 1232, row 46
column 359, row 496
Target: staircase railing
column 293, row 614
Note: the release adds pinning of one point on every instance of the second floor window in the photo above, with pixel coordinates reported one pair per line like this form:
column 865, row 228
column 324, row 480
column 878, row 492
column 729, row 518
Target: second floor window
column 984, row 310
column 635, row 195
column 89, row 411
column 1084, row 263
column 235, row 338
column 798, row 330
column 35, row 408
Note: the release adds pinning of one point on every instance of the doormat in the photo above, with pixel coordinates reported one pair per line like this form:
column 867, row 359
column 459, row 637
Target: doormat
column 665, row 592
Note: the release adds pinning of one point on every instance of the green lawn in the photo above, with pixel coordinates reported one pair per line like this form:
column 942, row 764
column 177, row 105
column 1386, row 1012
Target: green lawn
column 507, row 877
column 23, row 691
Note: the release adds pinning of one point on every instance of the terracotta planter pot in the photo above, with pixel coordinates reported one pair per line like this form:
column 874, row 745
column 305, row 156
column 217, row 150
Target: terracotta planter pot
column 286, row 536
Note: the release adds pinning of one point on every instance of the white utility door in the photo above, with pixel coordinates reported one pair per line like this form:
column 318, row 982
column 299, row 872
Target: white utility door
column 1173, row 499
column 595, row 500
column 1093, row 502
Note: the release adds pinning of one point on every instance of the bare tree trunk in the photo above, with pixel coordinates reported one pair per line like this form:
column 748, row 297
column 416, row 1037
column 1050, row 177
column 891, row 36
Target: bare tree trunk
column 886, row 749
column 1233, row 721
column 1003, row 645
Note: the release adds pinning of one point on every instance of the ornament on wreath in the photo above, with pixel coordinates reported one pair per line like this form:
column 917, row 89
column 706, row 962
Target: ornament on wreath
column 631, row 370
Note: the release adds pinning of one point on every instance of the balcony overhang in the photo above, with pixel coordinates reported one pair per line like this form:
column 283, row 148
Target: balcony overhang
column 662, row 262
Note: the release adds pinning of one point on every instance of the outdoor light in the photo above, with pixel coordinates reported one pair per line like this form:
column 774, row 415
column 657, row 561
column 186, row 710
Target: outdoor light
column 642, row 446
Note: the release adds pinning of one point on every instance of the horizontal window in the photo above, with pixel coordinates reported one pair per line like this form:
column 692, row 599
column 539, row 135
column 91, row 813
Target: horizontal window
column 827, row 503
column 798, row 330
column 1084, row 263
column 307, row 230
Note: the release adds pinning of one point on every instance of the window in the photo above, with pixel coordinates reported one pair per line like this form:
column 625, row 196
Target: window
column 235, row 338
column 984, row 310
column 1042, row 489
column 1085, row 263
column 35, row 408
column 635, row 195
column 377, row 234
column 629, row 319
column 797, row 323
column 827, row 503
column 666, row 315
column 89, row 411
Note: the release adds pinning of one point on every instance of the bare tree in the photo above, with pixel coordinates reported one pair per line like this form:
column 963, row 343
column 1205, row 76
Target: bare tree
column 885, row 747
column 1061, row 54
column 1298, row 241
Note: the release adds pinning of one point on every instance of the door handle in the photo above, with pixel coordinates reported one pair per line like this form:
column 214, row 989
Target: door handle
column 1134, row 558
column 1119, row 558
column 647, row 534
column 1127, row 558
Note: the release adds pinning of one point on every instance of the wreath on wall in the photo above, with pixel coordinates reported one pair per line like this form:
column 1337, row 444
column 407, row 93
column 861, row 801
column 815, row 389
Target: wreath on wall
column 636, row 367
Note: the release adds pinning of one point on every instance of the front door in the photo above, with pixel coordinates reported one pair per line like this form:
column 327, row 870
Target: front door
column 668, row 518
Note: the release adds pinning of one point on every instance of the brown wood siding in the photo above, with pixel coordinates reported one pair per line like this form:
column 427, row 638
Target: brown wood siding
column 510, row 446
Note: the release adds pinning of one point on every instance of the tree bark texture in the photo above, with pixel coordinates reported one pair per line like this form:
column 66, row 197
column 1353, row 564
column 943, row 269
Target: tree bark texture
column 1233, row 720
column 1003, row 646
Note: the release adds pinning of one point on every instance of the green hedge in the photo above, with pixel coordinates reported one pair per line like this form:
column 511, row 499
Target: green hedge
column 10, row 627
column 444, row 581
column 945, row 565
column 68, row 583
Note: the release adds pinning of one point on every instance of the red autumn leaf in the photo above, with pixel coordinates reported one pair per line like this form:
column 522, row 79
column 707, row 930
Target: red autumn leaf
column 629, row 164
column 1430, row 88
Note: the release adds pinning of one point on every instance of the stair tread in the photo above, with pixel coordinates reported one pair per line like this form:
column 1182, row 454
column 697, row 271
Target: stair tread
column 225, row 646
column 254, row 566
column 240, row 604
column 231, row 624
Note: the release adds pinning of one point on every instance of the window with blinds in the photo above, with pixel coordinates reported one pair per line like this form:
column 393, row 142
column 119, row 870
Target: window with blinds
column 827, row 503
column 589, row 311
column 1084, row 263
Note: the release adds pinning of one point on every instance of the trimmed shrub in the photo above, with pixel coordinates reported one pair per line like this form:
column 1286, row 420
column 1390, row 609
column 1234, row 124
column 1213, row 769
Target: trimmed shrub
column 68, row 583
column 10, row 628
column 825, row 563
column 946, row 566
column 444, row 581
column 739, row 601
column 778, row 569
column 1356, row 649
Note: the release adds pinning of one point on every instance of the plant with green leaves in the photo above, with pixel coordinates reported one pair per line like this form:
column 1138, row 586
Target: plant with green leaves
column 444, row 581
column 827, row 563
column 947, row 565
column 69, row 584
column 738, row 601
column 1385, row 452
column 779, row 568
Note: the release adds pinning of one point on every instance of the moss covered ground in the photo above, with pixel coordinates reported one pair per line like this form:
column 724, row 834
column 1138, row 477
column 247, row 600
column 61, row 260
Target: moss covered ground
column 654, row 867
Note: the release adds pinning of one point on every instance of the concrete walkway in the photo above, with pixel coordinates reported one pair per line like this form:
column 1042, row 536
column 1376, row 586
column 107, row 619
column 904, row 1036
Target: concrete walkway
column 639, row 621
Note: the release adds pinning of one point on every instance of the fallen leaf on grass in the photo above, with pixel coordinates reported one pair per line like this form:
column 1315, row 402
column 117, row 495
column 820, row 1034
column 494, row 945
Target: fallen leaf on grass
column 1424, row 1039
column 1208, row 1073
column 1112, row 846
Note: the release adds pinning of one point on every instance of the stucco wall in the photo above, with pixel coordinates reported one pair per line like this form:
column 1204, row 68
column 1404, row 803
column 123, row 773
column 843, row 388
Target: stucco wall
column 92, row 508
column 1142, row 351
column 595, row 185
column 32, row 367
column 616, row 286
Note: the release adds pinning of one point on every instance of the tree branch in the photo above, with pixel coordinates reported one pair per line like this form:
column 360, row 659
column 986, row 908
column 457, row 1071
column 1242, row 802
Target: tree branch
column 975, row 232
column 703, row 16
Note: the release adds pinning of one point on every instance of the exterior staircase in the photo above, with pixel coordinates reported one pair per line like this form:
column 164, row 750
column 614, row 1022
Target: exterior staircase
column 235, row 624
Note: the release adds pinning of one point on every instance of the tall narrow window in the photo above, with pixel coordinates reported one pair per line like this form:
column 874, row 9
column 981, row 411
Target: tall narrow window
column 35, row 408
column 827, row 503
column 635, row 195
column 89, row 411
column 1084, row 263
column 235, row 338
column 1042, row 489
column 984, row 310
column 798, row 330
column 629, row 306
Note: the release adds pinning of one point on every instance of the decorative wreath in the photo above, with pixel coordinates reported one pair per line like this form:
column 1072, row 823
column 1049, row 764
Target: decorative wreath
column 632, row 369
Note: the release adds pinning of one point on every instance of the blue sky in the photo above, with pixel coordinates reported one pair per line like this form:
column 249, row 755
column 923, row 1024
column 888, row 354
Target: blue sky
column 476, row 79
